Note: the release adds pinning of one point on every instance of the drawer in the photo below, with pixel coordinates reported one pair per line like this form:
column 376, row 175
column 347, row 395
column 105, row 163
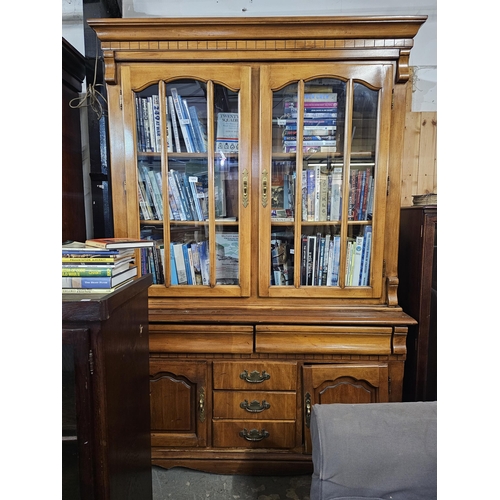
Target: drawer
column 255, row 375
column 259, row 434
column 301, row 339
column 254, row 405
column 190, row 339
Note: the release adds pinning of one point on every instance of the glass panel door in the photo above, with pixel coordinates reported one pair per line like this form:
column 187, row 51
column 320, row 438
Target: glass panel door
column 192, row 188
column 318, row 195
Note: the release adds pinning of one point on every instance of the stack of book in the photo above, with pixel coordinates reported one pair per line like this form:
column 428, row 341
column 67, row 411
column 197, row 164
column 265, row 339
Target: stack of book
column 320, row 123
column 100, row 265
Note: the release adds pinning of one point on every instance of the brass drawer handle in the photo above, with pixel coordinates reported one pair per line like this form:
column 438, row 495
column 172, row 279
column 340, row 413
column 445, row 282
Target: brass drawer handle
column 255, row 377
column 254, row 434
column 255, row 406
column 201, row 404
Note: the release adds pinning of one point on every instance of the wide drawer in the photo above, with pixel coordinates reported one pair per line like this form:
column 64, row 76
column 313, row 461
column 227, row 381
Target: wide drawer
column 255, row 375
column 301, row 339
column 253, row 434
column 254, row 405
column 216, row 339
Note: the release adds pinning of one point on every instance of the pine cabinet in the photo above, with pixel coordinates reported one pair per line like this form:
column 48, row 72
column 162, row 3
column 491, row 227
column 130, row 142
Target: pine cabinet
column 263, row 155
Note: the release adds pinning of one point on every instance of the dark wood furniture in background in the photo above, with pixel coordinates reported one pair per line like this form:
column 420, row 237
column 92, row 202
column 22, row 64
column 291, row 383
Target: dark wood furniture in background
column 73, row 205
column 418, row 296
column 106, row 445
column 235, row 368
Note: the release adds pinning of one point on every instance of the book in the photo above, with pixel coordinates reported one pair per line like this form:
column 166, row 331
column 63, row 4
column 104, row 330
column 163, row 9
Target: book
column 183, row 120
column 89, row 291
column 180, row 264
column 173, row 118
column 173, row 267
column 356, row 266
column 198, row 130
column 336, row 194
column 82, row 270
column 157, row 122
column 117, row 243
column 365, row 266
column 227, row 133
column 99, row 281
column 227, row 258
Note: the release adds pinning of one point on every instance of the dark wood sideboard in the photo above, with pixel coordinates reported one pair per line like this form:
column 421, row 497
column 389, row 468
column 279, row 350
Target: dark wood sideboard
column 106, row 445
column 418, row 296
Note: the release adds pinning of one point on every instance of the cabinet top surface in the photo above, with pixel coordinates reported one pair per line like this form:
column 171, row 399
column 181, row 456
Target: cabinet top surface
column 77, row 307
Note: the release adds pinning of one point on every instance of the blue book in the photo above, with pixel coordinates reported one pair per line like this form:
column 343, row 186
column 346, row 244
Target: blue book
column 187, row 263
column 198, row 131
column 173, row 268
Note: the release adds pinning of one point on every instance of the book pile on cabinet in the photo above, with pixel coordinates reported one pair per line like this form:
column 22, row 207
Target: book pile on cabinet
column 99, row 266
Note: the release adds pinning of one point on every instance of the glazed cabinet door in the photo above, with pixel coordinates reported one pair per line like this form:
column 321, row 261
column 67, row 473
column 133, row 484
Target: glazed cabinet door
column 187, row 162
column 342, row 383
column 178, row 404
column 324, row 135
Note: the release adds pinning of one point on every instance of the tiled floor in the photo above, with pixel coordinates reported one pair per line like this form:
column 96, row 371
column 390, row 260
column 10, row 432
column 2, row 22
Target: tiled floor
column 186, row 484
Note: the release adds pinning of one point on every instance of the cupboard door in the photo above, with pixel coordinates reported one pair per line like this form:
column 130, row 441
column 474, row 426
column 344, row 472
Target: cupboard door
column 342, row 383
column 179, row 411
column 323, row 178
column 187, row 152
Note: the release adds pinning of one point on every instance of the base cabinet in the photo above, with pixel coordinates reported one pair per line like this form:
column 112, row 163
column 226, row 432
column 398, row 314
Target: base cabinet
column 250, row 413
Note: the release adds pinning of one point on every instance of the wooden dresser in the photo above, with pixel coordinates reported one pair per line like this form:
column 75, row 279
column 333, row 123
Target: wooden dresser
column 106, row 418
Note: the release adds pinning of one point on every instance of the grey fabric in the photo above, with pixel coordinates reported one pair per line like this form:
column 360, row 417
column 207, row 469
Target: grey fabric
column 374, row 451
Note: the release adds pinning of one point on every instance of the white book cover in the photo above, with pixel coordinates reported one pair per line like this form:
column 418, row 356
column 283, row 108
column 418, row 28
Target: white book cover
column 227, row 132
column 356, row 268
column 180, row 264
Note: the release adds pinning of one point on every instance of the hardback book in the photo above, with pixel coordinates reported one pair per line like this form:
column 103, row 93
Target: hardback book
column 227, row 258
column 99, row 281
column 190, row 126
column 96, row 291
column 157, row 123
column 365, row 268
column 227, row 133
column 117, row 243
column 180, row 264
column 82, row 270
column 183, row 120
column 173, row 267
column 173, row 119
column 336, row 194
column 356, row 267
column 203, row 250
column 198, row 130
column 172, row 183
column 335, row 261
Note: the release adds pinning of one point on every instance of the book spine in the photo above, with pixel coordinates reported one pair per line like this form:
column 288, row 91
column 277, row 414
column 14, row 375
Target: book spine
column 194, row 192
column 172, row 183
column 173, row 268
column 189, row 126
column 151, row 123
column 75, row 272
column 182, row 120
column 173, row 118
column 87, row 282
column 365, row 271
column 185, row 204
column 200, row 139
column 189, row 195
column 180, row 265
column 157, row 121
